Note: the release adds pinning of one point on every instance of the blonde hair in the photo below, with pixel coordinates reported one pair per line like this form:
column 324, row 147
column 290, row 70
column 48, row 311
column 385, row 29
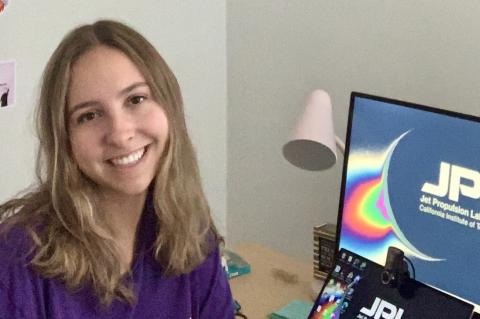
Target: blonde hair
column 71, row 239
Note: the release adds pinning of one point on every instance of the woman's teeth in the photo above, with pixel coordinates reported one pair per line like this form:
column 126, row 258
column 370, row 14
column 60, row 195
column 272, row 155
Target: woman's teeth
column 129, row 159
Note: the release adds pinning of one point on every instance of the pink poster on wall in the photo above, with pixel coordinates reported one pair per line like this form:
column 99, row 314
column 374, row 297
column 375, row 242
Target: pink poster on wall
column 7, row 83
column 3, row 5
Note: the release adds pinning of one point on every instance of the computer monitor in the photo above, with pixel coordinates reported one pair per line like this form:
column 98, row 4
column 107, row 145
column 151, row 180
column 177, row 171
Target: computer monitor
column 411, row 179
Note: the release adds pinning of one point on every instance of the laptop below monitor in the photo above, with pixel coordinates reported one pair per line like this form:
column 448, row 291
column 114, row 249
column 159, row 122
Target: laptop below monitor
column 354, row 290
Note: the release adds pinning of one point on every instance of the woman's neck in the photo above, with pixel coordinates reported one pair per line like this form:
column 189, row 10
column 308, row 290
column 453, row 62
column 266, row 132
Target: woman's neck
column 123, row 215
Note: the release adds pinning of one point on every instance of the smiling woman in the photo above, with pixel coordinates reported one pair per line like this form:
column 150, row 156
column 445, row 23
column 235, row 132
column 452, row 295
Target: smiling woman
column 118, row 226
column 117, row 130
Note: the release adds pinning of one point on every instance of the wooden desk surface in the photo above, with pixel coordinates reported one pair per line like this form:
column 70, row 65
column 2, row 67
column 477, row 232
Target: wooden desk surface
column 262, row 291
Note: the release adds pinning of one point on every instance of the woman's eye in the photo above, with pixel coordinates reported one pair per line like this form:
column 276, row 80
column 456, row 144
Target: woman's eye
column 137, row 99
column 86, row 117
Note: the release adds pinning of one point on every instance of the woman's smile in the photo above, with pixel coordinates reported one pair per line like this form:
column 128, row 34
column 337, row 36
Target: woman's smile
column 129, row 159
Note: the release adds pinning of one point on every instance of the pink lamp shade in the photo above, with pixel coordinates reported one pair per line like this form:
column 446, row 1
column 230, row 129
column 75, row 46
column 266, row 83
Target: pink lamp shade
column 313, row 146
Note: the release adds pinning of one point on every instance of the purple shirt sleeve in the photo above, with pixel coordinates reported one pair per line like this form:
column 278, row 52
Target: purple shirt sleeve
column 214, row 295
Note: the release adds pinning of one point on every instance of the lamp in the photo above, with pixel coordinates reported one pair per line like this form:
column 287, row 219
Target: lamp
column 314, row 143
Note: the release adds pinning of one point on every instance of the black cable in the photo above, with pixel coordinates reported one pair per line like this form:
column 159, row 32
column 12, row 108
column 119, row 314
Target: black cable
column 241, row 315
column 411, row 265
column 238, row 313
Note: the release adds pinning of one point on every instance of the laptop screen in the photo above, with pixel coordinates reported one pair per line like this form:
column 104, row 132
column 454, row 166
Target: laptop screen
column 411, row 180
column 354, row 290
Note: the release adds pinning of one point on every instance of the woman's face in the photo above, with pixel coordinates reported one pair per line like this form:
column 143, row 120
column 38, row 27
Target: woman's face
column 117, row 131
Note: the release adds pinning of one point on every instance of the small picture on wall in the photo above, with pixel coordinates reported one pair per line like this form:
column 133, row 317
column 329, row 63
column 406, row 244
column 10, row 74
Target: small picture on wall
column 7, row 83
column 3, row 5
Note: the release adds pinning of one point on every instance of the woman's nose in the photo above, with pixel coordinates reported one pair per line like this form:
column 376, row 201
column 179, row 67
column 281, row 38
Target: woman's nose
column 121, row 129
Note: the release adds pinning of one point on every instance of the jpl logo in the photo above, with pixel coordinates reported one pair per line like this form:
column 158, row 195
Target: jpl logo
column 450, row 182
column 381, row 309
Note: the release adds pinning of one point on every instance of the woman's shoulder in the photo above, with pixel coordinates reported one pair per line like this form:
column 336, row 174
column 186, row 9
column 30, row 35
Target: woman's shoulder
column 212, row 288
column 208, row 271
column 14, row 237
column 16, row 247
column 18, row 281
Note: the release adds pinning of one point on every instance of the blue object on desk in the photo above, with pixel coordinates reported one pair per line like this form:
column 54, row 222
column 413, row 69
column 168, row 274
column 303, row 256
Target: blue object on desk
column 296, row 309
column 233, row 264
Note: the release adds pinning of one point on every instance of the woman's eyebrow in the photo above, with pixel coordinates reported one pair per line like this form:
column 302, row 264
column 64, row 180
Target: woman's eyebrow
column 123, row 92
column 132, row 87
column 82, row 106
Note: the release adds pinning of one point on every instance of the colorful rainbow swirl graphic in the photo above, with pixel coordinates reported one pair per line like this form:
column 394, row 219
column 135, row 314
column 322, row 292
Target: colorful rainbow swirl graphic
column 369, row 226
column 331, row 301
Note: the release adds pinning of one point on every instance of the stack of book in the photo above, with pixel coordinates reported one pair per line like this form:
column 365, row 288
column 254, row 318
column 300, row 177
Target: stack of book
column 324, row 247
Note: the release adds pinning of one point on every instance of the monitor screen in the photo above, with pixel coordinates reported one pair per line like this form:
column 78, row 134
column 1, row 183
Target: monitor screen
column 411, row 180
column 354, row 289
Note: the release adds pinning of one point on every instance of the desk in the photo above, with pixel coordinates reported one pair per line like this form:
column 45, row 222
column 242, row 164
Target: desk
column 261, row 292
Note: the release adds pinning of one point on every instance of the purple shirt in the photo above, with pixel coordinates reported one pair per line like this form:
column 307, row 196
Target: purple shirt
column 203, row 293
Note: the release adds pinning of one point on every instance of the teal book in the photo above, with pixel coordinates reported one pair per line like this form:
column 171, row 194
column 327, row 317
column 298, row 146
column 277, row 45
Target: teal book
column 233, row 264
column 296, row 309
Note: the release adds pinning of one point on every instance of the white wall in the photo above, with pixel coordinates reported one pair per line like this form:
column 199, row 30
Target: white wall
column 189, row 34
column 279, row 51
